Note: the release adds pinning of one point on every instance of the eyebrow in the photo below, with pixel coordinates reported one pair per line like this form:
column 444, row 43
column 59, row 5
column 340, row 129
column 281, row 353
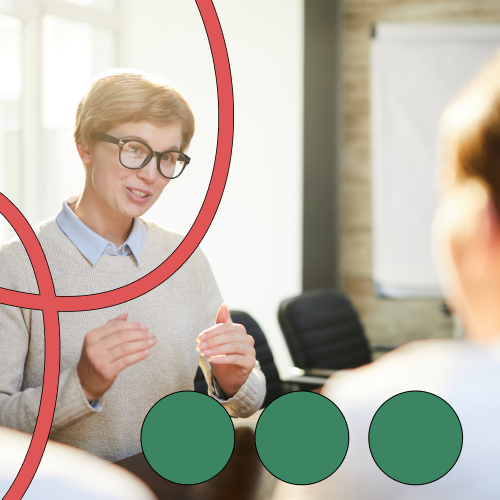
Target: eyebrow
column 172, row 148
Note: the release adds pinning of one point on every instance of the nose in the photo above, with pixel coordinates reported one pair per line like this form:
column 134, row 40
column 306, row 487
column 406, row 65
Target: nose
column 149, row 172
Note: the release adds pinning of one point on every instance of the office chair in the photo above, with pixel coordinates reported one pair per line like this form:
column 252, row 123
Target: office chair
column 274, row 385
column 323, row 332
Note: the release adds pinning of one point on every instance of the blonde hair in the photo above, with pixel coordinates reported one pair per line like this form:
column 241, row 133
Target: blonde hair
column 471, row 130
column 121, row 96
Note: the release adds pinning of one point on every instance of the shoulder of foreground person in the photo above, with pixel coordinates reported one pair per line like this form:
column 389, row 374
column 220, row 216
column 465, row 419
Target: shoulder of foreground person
column 426, row 365
column 463, row 373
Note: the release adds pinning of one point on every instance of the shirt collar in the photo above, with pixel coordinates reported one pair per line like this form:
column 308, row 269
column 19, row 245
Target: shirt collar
column 137, row 238
column 89, row 243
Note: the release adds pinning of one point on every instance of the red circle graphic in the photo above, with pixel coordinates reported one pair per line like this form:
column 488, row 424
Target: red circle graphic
column 51, row 304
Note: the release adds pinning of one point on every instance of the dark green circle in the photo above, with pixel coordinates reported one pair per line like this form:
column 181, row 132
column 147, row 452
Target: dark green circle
column 302, row 438
column 173, row 434
column 415, row 437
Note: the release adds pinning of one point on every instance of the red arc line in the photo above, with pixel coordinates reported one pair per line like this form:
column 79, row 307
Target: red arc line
column 51, row 304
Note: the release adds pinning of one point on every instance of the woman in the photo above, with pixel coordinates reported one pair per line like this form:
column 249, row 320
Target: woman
column 465, row 373
column 132, row 131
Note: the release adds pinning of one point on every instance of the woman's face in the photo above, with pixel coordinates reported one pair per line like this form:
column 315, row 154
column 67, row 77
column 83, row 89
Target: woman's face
column 129, row 192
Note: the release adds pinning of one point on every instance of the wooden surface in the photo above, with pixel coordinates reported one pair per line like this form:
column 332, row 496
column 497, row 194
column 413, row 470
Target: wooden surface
column 386, row 321
column 243, row 478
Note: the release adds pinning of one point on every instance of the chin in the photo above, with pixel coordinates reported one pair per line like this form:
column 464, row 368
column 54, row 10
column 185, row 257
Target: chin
column 131, row 211
column 135, row 213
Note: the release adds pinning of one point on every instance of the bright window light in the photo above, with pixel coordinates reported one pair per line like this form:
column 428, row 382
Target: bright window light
column 73, row 53
column 10, row 115
column 96, row 4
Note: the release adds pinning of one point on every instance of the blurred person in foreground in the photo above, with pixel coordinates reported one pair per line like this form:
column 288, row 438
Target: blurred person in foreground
column 132, row 132
column 67, row 473
column 463, row 372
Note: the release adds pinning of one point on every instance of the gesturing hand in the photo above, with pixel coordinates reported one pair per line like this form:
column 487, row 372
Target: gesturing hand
column 229, row 350
column 108, row 350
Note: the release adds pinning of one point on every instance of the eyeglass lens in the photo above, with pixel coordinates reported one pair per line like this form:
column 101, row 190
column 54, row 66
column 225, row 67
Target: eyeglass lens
column 133, row 154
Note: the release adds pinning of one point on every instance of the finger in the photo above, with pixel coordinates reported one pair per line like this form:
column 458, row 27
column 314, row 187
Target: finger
column 122, row 317
column 223, row 314
column 129, row 348
column 225, row 338
column 219, row 329
column 124, row 362
column 116, row 326
column 230, row 348
column 124, row 337
column 233, row 359
column 107, row 351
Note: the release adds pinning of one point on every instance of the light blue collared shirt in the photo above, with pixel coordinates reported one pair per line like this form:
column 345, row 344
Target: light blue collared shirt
column 91, row 245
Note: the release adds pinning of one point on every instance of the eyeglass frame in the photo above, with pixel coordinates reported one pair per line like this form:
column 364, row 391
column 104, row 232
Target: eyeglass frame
column 99, row 136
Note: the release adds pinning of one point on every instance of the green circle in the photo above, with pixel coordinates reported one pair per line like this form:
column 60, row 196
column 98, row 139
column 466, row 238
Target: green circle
column 301, row 438
column 173, row 433
column 415, row 437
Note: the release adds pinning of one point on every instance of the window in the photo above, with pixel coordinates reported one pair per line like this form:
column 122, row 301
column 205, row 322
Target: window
column 10, row 109
column 49, row 51
column 97, row 4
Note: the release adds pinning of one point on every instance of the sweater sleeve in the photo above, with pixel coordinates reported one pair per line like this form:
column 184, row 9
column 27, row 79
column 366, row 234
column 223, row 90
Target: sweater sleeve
column 249, row 398
column 19, row 405
column 251, row 394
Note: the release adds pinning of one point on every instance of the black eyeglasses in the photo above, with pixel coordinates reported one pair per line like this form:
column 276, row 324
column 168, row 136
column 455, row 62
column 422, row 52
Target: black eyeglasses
column 135, row 154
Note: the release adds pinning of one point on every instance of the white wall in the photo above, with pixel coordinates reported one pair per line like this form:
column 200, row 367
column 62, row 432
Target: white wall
column 255, row 241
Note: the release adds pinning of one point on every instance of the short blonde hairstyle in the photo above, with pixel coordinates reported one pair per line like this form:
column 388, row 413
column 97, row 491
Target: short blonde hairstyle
column 122, row 96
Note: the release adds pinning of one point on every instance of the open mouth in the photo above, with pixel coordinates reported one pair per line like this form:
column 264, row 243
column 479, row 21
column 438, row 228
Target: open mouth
column 138, row 193
column 139, row 196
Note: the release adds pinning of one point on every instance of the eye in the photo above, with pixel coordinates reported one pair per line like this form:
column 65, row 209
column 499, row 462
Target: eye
column 172, row 164
column 134, row 148
column 170, row 158
column 133, row 154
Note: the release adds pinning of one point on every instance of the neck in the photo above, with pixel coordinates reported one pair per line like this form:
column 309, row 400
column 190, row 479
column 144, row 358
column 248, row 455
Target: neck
column 104, row 221
column 481, row 314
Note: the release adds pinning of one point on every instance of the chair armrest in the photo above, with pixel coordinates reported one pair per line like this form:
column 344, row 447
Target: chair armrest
column 307, row 379
column 301, row 385
column 382, row 348
column 322, row 373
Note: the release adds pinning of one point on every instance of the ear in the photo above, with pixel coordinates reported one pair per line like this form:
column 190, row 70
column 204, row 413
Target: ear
column 85, row 153
column 476, row 247
column 493, row 221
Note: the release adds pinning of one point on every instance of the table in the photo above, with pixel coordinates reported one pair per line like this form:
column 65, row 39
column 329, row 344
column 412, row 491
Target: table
column 243, row 478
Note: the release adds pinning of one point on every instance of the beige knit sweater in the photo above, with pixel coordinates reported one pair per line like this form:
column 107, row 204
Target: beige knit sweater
column 176, row 311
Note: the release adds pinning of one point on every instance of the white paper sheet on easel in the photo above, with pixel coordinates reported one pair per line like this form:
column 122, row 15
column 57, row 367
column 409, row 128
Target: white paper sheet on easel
column 415, row 71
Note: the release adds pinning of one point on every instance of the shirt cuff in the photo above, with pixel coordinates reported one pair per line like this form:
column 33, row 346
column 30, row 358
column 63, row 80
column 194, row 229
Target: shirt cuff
column 248, row 399
column 217, row 392
column 72, row 405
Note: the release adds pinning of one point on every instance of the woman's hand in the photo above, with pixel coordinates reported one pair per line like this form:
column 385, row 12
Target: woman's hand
column 108, row 350
column 229, row 350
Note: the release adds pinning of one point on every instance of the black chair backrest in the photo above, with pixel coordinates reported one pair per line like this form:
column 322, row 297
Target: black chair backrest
column 323, row 330
column 200, row 384
column 264, row 355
